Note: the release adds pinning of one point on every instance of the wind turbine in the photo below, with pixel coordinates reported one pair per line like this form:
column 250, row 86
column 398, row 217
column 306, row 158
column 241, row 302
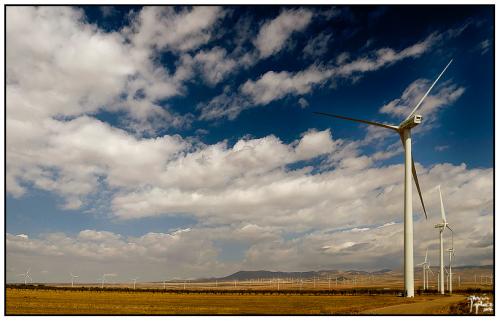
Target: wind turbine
column 72, row 278
column 441, row 226
column 103, row 278
column 135, row 280
column 26, row 276
column 451, row 252
column 404, row 131
column 424, row 271
column 428, row 270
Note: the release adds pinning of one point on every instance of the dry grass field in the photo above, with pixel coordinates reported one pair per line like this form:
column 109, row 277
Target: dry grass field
column 30, row 301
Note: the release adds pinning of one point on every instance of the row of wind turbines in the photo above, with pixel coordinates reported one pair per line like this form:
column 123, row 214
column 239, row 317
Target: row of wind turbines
column 426, row 265
column 404, row 132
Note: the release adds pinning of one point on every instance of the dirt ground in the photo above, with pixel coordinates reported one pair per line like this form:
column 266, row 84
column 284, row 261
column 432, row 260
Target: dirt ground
column 436, row 306
column 29, row 301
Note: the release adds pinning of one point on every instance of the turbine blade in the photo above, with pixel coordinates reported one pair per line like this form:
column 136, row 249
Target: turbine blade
column 428, row 91
column 443, row 214
column 359, row 120
column 415, row 178
column 425, row 256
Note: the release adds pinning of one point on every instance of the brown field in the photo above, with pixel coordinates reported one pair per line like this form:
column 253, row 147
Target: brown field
column 30, row 301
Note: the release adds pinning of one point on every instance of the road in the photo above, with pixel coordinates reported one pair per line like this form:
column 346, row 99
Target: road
column 436, row 306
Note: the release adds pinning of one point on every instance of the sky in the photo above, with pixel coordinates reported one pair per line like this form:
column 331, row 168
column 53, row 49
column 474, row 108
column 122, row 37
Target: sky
column 180, row 142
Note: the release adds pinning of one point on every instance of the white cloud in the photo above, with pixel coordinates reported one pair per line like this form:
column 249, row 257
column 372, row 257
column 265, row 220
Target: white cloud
column 442, row 96
column 274, row 34
column 484, row 46
column 303, row 103
column 441, row 148
column 72, row 155
column 317, row 46
column 88, row 70
column 106, row 252
column 215, row 64
column 315, row 143
column 384, row 56
column 276, row 85
column 272, row 85
column 164, row 28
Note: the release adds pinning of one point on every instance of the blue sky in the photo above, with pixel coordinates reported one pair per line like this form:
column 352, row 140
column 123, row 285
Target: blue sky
column 142, row 133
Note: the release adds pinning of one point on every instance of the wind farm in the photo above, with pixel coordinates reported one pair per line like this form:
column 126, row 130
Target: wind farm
column 356, row 282
column 249, row 160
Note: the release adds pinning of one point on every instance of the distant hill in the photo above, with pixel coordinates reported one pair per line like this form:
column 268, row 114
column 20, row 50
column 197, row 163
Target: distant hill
column 347, row 274
column 263, row 274
column 383, row 271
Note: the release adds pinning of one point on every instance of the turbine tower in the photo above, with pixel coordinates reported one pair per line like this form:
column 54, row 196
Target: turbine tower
column 441, row 226
column 73, row 277
column 404, row 131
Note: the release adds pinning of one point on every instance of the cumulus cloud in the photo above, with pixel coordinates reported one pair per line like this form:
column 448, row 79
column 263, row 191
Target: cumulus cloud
column 69, row 157
column 276, row 85
column 152, row 254
column 215, row 64
column 255, row 191
column 274, row 33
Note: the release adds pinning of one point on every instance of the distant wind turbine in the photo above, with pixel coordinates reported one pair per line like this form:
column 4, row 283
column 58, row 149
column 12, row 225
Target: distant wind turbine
column 451, row 252
column 424, row 271
column 103, row 278
column 441, row 226
column 73, row 277
column 427, row 279
column 404, row 131
column 135, row 280
column 26, row 276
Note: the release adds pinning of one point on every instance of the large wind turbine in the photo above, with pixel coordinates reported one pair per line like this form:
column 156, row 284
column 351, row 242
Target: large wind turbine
column 404, row 131
column 441, row 226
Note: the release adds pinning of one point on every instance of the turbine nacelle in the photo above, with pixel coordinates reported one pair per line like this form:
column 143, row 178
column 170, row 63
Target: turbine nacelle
column 411, row 122
column 441, row 225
